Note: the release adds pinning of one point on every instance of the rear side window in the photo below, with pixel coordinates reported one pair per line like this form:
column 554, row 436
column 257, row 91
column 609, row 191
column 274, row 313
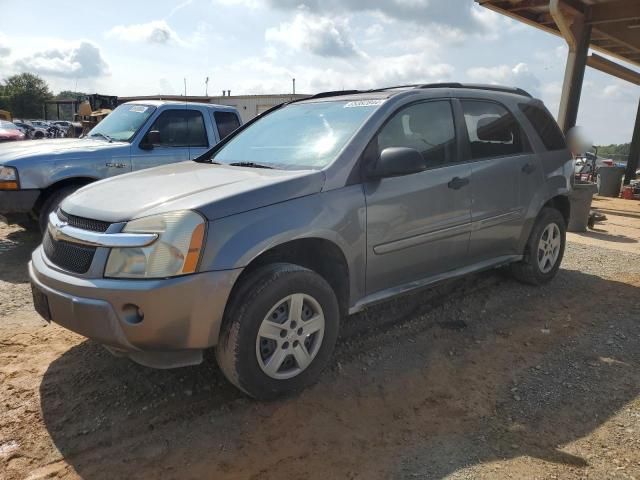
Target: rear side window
column 493, row 131
column 428, row 127
column 544, row 124
column 227, row 122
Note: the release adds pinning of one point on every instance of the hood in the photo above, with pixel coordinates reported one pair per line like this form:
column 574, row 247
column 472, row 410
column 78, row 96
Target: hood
column 52, row 149
column 214, row 190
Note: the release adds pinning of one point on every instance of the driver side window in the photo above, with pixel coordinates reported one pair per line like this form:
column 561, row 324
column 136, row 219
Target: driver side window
column 181, row 128
column 427, row 127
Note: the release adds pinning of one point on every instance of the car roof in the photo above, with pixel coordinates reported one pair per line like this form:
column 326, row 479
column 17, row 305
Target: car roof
column 436, row 89
column 160, row 103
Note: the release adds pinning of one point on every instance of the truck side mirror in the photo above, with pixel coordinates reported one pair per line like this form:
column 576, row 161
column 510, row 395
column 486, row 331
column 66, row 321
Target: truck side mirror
column 151, row 138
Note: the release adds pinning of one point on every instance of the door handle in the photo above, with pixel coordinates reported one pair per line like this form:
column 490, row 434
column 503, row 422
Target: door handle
column 457, row 183
column 528, row 168
column 115, row 165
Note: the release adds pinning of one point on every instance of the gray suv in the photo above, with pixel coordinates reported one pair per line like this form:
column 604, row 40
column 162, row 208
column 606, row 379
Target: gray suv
column 315, row 210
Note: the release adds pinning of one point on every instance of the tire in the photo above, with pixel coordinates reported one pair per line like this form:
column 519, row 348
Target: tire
column 51, row 204
column 38, row 135
column 244, row 355
column 534, row 270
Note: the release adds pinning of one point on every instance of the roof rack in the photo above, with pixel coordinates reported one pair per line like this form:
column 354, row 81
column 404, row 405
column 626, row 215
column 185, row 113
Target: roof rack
column 474, row 86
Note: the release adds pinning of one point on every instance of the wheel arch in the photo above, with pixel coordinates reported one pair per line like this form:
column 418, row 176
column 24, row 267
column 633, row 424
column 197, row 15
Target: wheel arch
column 320, row 255
column 63, row 183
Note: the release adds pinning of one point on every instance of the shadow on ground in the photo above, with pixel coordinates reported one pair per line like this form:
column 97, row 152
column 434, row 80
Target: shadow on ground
column 406, row 397
column 15, row 253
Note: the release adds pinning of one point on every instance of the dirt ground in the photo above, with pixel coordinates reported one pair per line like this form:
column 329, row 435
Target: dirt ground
column 479, row 378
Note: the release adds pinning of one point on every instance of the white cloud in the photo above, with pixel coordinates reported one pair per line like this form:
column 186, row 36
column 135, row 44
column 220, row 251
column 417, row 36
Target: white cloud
column 319, row 35
column 156, row 31
column 517, row 76
column 464, row 15
column 4, row 46
column 82, row 61
column 260, row 75
column 620, row 92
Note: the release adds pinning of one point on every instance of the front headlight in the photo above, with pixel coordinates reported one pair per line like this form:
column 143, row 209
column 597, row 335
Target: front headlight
column 175, row 252
column 8, row 178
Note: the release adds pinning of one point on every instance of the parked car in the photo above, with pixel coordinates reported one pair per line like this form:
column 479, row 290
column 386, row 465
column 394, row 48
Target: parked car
column 63, row 124
column 312, row 211
column 30, row 131
column 40, row 123
column 135, row 136
column 10, row 132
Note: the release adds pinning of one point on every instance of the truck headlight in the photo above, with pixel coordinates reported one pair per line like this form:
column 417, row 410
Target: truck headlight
column 8, row 178
column 175, row 252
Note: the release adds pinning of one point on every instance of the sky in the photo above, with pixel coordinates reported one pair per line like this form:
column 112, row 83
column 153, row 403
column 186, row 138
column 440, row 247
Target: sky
column 257, row 46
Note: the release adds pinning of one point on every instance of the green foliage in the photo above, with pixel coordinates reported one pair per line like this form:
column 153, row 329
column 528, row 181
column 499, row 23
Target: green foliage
column 615, row 152
column 24, row 95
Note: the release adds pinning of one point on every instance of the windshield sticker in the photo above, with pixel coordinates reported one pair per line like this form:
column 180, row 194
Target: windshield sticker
column 138, row 109
column 364, row 103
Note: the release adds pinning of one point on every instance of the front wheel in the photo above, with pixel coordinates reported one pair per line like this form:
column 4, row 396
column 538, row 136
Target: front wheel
column 544, row 250
column 279, row 331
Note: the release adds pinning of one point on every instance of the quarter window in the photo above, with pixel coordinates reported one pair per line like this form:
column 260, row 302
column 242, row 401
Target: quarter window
column 227, row 122
column 181, row 128
column 545, row 126
column 428, row 127
column 493, row 131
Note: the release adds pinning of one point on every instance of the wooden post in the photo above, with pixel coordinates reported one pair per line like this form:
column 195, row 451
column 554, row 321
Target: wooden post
column 634, row 153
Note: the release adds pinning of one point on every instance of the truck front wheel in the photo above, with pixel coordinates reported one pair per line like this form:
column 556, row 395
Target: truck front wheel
column 51, row 204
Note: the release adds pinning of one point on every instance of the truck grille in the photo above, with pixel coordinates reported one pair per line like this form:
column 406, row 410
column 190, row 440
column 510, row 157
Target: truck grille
column 69, row 256
column 83, row 223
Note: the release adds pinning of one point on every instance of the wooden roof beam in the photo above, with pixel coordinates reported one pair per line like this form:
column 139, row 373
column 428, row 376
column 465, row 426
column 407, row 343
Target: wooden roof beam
column 612, row 68
column 611, row 12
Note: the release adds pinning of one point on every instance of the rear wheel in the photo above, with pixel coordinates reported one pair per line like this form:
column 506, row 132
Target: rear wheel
column 544, row 250
column 279, row 331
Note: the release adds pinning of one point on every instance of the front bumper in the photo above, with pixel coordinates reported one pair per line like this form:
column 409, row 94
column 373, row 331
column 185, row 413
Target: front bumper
column 182, row 315
column 18, row 201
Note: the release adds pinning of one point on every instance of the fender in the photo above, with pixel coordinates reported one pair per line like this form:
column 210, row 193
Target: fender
column 338, row 216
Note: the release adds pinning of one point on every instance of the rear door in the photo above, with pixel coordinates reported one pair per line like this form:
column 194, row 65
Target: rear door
column 418, row 225
column 500, row 154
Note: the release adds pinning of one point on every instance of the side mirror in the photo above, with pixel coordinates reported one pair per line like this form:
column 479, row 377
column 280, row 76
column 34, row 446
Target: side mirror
column 397, row 161
column 151, row 138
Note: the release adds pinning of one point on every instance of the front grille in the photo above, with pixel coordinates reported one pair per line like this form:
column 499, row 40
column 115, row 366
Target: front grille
column 83, row 223
column 69, row 256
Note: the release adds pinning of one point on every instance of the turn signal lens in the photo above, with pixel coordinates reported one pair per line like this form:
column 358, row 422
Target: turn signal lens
column 8, row 185
column 195, row 246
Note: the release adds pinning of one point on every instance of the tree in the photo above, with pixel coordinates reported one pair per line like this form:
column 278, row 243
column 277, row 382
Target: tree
column 25, row 95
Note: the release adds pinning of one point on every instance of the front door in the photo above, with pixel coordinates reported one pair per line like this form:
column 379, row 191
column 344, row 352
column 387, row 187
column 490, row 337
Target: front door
column 173, row 145
column 418, row 225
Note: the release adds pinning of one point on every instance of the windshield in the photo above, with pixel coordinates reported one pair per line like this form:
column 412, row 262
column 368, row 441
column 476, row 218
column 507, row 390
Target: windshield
column 298, row 136
column 123, row 123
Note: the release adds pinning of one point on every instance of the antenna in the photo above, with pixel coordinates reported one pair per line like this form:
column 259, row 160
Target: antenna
column 294, row 85
column 185, row 87
column 206, row 87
